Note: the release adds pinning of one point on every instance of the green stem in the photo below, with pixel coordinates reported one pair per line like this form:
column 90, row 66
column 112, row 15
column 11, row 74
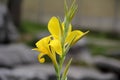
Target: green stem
column 58, row 75
column 68, row 17
column 60, row 68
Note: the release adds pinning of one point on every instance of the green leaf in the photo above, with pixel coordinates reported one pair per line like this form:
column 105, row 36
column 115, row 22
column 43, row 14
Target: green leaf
column 64, row 75
column 65, row 7
column 66, row 78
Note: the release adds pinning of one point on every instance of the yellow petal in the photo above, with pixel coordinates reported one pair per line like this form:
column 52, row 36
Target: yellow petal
column 40, row 58
column 56, row 46
column 76, row 34
column 54, row 27
column 43, row 44
column 80, row 35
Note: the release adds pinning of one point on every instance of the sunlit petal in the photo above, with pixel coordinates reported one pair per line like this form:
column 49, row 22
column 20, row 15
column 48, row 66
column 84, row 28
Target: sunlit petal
column 41, row 59
column 42, row 44
column 76, row 34
column 54, row 27
column 56, row 46
column 80, row 34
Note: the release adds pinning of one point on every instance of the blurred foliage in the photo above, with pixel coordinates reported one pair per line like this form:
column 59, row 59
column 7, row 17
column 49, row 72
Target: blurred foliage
column 32, row 27
column 29, row 30
column 101, row 49
column 97, row 50
column 104, row 35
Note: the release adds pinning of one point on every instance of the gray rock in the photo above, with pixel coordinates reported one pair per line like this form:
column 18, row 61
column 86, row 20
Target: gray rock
column 113, row 54
column 16, row 54
column 80, row 52
column 46, row 72
column 108, row 65
column 4, row 73
column 41, row 72
column 3, row 10
column 80, row 73
column 8, row 32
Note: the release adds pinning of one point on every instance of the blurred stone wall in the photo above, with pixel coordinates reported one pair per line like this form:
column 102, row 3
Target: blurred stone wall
column 103, row 15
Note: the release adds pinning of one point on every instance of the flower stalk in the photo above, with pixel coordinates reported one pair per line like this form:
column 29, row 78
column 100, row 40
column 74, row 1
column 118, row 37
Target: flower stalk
column 60, row 41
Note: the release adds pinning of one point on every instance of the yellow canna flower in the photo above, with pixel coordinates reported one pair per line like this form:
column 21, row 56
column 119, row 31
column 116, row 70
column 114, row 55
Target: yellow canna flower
column 54, row 27
column 59, row 42
column 45, row 47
